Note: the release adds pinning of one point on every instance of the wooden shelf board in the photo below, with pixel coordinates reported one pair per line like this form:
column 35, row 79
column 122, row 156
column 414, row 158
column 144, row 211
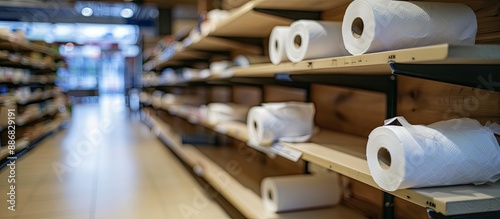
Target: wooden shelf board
column 300, row 5
column 377, row 63
column 208, row 43
column 237, row 130
column 342, row 153
column 21, row 64
column 22, row 45
column 245, row 22
column 245, row 200
column 177, row 59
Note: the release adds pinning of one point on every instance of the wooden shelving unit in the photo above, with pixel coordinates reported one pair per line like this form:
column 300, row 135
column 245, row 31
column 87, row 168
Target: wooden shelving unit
column 241, row 197
column 14, row 44
column 345, row 154
column 31, row 127
column 469, row 66
column 372, row 64
column 377, row 63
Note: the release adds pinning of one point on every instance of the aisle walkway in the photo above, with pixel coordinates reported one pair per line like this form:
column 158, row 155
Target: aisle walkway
column 106, row 165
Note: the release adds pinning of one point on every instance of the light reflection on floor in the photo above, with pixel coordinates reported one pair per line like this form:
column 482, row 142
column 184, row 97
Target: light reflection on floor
column 107, row 164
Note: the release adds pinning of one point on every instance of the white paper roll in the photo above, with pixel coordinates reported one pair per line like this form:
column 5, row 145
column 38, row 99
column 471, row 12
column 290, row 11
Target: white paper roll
column 145, row 98
column 277, row 44
column 458, row 151
column 156, row 99
column 191, row 73
column 168, row 100
column 220, row 66
column 374, row 26
column 310, row 39
column 221, row 112
column 290, row 122
column 288, row 193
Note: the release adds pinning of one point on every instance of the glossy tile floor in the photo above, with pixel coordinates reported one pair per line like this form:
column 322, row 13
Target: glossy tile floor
column 107, row 164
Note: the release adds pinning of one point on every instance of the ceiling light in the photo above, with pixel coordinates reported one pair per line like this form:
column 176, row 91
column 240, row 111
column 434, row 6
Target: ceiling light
column 69, row 47
column 87, row 12
column 126, row 13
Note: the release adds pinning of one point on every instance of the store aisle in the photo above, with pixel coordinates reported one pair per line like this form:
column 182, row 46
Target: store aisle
column 106, row 165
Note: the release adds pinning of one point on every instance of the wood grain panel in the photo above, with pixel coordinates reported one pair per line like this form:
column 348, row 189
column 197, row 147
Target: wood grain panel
column 365, row 199
column 408, row 210
column 248, row 95
column 369, row 200
column 352, row 111
column 274, row 93
column 335, row 14
column 424, row 101
column 220, row 94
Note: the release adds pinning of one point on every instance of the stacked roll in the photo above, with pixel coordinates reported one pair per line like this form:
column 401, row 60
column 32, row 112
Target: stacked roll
column 222, row 112
column 381, row 25
column 287, row 121
column 306, row 39
column 413, row 156
column 192, row 73
column 375, row 26
column 157, row 99
column 296, row 192
column 145, row 98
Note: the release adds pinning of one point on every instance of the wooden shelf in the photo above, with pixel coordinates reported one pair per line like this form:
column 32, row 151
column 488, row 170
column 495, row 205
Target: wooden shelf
column 180, row 56
column 196, row 51
column 25, row 143
column 299, row 5
column 236, row 130
column 208, row 43
column 246, row 22
column 371, row 64
column 377, row 63
column 245, row 200
column 12, row 44
column 345, row 154
column 30, row 64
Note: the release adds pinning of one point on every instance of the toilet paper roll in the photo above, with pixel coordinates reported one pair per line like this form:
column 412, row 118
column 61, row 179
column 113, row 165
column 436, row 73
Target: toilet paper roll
column 373, row 26
column 458, row 151
column 145, row 98
column 221, row 112
column 289, row 122
column 168, row 100
column 191, row 73
column 247, row 60
column 277, row 44
column 310, row 39
column 219, row 66
column 288, row 193
column 157, row 99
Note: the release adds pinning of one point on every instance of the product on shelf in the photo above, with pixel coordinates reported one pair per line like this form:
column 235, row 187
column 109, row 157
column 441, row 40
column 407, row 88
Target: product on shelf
column 287, row 121
column 156, row 99
column 296, row 192
column 145, row 98
column 219, row 67
column 308, row 39
column 412, row 156
column 191, row 73
column 374, row 26
column 221, row 112
column 277, row 44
